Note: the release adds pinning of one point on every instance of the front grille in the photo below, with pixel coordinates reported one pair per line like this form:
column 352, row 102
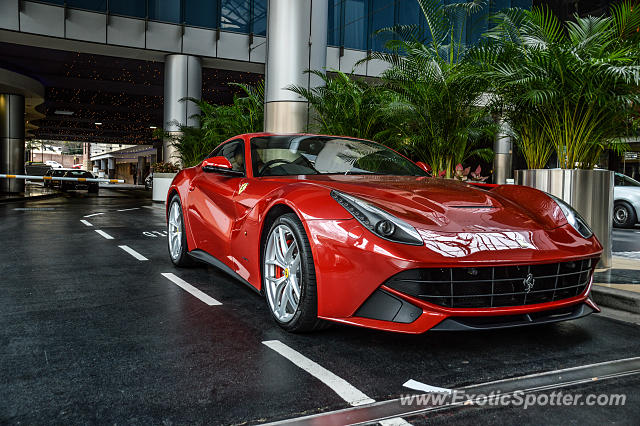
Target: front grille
column 487, row 287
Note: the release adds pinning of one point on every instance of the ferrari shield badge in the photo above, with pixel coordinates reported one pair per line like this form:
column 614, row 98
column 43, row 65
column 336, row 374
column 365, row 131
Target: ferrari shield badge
column 242, row 188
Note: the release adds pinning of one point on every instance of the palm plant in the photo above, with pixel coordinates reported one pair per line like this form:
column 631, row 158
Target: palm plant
column 220, row 122
column 438, row 114
column 568, row 86
column 345, row 105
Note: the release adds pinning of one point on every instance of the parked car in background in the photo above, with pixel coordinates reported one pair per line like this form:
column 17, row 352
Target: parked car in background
column 82, row 174
column 148, row 182
column 77, row 166
column 53, row 164
column 626, row 201
column 54, row 173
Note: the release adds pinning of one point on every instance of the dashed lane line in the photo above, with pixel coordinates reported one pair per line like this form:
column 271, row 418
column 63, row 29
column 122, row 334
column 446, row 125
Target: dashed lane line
column 93, row 214
column 344, row 389
column 104, row 234
column 86, row 222
column 191, row 289
column 133, row 253
column 127, row 210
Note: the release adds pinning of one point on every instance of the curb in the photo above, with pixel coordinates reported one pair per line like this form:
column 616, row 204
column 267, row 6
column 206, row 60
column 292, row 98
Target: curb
column 622, row 300
column 32, row 198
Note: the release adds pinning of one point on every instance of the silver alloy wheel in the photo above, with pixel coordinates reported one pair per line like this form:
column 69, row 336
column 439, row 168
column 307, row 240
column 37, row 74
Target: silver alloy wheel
column 282, row 273
column 621, row 215
column 174, row 233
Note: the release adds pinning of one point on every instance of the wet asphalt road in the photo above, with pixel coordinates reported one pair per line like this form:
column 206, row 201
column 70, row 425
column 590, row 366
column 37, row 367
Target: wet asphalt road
column 91, row 334
column 626, row 240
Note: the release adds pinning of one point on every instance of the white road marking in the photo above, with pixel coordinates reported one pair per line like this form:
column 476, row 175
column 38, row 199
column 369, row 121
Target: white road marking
column 104, row 234
column 126, row 210
column 133, row 253
column 340, row 386
column 86, row 222
column 153, row 207
column 627, row 254
column 191, row 289
column 419, row 386
column 94, row 214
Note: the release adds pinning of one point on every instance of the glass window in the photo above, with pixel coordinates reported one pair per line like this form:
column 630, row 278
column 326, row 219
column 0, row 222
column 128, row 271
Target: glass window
column 165, row 11
column 235, row 15
column 232, row 151
column 260, row 17
column 97, row 5
column 135, row 8
column 312, row 155
column 334, row 23
column 201, row 13
column 524, row 4
column 477, row 25
column 382, row 16
column 355, row 24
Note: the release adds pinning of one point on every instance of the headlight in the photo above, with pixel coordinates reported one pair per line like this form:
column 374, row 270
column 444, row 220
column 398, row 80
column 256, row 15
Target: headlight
column 574, row 218
column 378, row 221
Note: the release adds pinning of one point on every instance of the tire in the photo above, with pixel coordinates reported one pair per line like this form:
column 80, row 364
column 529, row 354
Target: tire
column 280, row 284
column 624, row 216
column 179, row 254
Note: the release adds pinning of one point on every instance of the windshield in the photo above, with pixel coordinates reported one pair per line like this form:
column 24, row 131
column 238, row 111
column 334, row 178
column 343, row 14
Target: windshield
column 622, row 180
column 78, row 174
column 323, row 155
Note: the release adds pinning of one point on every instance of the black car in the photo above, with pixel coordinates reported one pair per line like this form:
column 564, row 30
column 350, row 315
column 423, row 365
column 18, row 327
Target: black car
column 90, row 186
column 54, row 173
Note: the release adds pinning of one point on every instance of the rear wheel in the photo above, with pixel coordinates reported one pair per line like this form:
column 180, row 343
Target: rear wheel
column 623, row 215
column 176, row 236
column 289, row 279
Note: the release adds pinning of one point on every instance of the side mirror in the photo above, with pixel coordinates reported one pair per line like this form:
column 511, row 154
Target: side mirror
column 424, row 166
column 219, row 165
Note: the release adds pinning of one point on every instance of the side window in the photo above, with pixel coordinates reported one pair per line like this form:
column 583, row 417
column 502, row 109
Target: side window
column 619, row 180
column 232, row 151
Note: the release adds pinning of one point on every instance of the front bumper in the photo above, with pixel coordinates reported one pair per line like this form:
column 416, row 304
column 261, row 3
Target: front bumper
column 352, row 264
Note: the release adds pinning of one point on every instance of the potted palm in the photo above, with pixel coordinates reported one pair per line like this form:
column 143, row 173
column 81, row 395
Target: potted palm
column 569, row 89
column 438, row 115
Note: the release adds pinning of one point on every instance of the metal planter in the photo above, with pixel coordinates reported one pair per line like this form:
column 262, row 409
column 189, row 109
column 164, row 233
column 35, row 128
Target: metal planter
column 590, row 192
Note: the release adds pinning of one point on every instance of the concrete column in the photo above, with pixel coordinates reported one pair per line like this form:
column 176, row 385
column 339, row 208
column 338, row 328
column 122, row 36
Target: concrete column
column 182, row 79
column 140, row 170
column 296, row 42
column 503, row 150
column 86, row 153
column 103, row 168
column 11, row 141
column 111, row 164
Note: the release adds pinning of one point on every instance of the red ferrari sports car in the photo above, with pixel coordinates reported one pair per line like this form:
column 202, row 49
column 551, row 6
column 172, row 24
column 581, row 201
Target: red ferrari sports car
column 339, row 229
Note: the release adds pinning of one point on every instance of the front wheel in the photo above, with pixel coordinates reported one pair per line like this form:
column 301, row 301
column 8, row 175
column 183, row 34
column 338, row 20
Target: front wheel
column 176, row 236
column 623, row 215
column 289, row 278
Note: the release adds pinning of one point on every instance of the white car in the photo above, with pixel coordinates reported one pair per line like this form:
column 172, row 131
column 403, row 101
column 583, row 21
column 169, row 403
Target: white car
column 53, row 164
column 626, row 201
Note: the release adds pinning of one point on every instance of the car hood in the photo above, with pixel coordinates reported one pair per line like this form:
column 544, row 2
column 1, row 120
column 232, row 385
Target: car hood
column 437, row 204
